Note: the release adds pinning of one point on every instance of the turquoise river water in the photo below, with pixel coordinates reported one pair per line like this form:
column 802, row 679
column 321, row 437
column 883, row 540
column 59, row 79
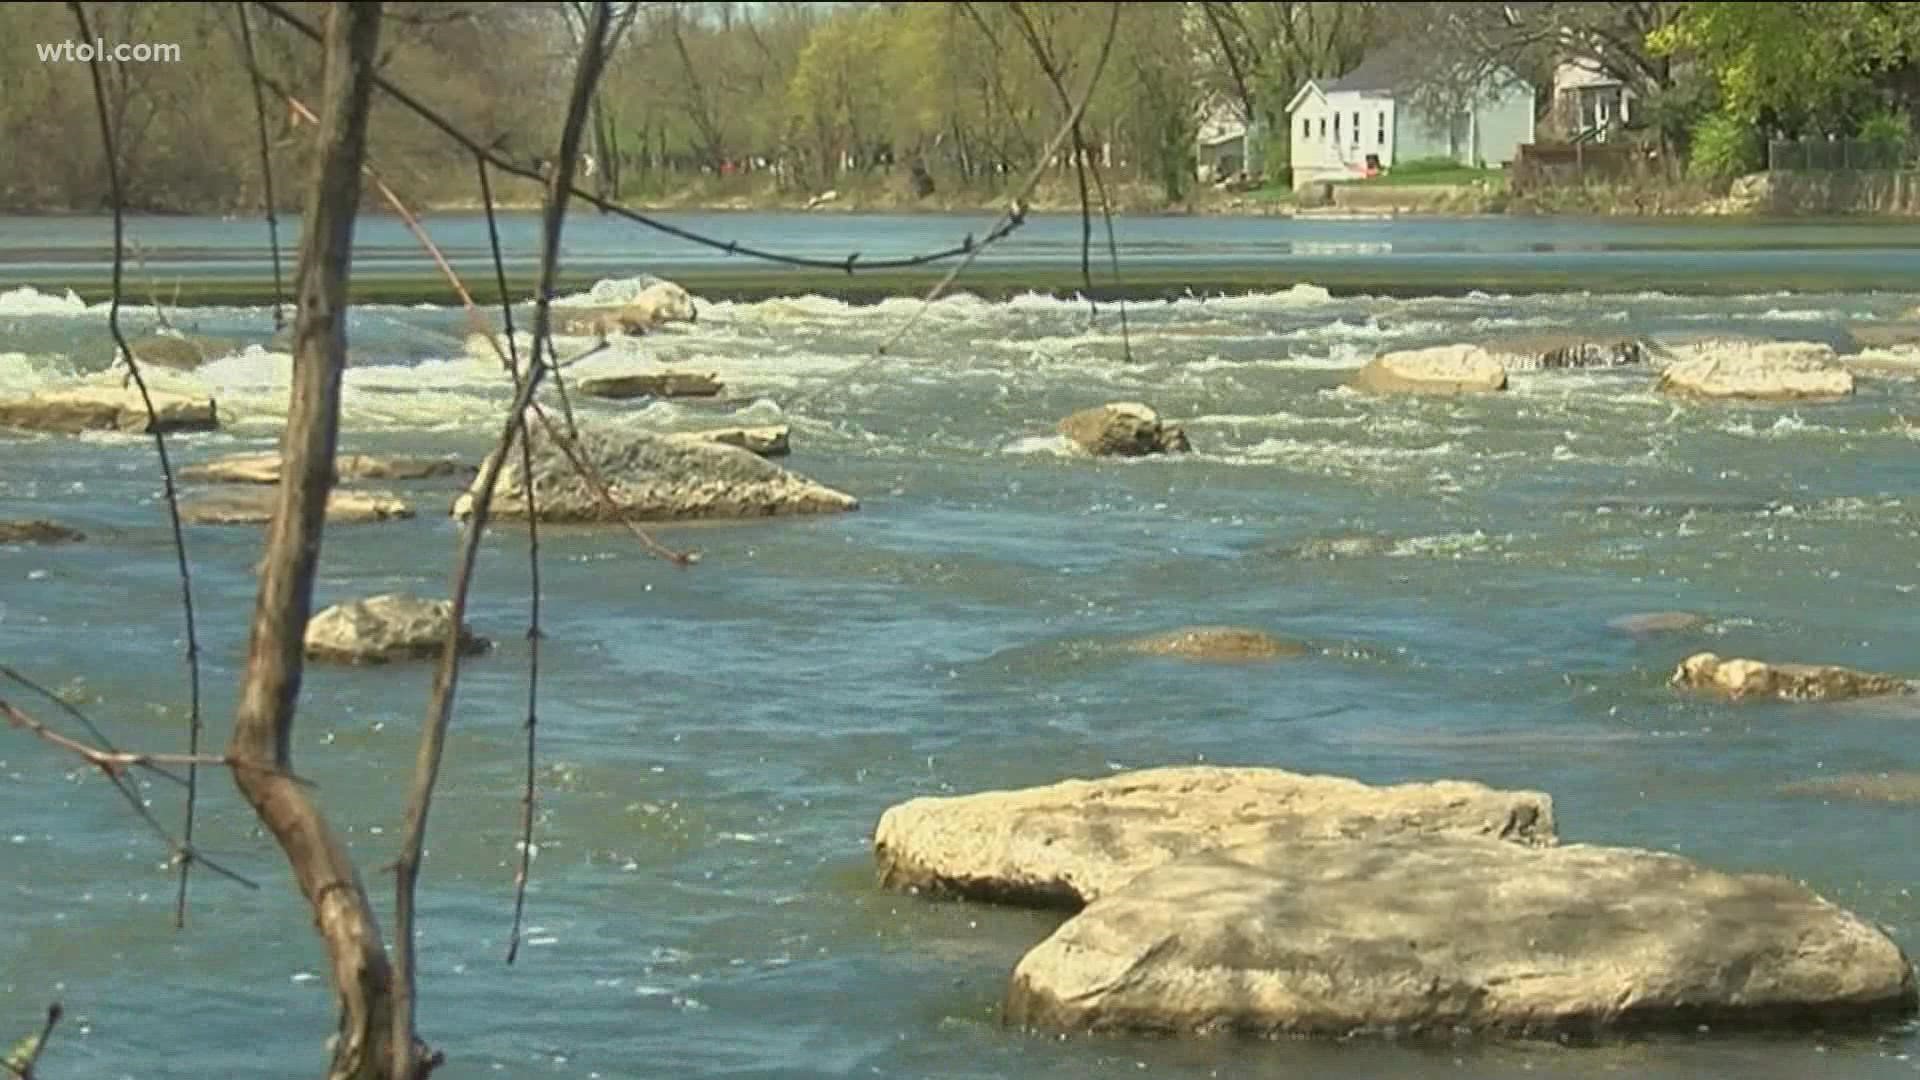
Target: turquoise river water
column 718, row 742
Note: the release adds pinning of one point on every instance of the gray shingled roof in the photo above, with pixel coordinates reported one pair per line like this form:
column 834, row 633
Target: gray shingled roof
column 1385, row 70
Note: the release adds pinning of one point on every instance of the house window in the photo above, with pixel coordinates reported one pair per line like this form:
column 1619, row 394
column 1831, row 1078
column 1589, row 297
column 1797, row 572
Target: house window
column 1323, row 128
column 1382, row 137
column 1336, row 128
column 1356, row 129
column 1306, row 127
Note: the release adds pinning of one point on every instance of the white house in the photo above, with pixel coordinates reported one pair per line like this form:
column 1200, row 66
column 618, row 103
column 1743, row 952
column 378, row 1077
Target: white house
column 1353, row 125
column 1588, row 102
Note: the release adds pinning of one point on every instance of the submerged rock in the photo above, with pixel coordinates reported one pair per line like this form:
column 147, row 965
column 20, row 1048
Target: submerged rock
column 1217, row 643
column 379, row 629
column 179, row 352
column 38, row 532
column 1776, row 371
column 1741, row 678
column 767, row 441
column 1446, row 935
column 1644, row 623
column 1894, row 787
column 667, row 384
column 1903, row 335
column 264, row 468
column 1344, row 546
column 103, row 408
column 1444, row 369
column 654, row 478
column 1067, row 844
column 1552, row 351
column 254, row 506
column 1123, row 429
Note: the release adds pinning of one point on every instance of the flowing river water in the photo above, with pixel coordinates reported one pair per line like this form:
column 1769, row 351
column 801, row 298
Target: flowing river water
column 717, row 743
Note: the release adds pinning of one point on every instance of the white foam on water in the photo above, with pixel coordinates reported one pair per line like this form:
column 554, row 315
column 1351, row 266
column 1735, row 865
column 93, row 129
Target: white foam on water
column 27, row 300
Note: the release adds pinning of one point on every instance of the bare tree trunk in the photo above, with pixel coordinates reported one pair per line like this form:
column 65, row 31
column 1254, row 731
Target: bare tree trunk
column 262, row 745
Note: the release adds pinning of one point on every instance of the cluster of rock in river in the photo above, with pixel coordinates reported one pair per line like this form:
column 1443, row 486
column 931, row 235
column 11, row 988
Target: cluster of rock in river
column 1202, row 899
column 1268, row 902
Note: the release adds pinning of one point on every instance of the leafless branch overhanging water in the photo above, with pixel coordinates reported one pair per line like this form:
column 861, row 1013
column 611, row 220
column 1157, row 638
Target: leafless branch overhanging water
column 1016, row 211
column 266, row 160
column 160, row 449
column 966, row 248
column 446, row 678
column 1083, row 164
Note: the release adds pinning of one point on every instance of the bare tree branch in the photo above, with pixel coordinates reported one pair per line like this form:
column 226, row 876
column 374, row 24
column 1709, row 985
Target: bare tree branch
column 446, row 678
column 160, row 449
column 269, row 692
column 967, row 247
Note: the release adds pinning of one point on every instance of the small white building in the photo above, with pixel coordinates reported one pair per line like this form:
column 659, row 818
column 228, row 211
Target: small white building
column 1588, row 103
column 1354, row 126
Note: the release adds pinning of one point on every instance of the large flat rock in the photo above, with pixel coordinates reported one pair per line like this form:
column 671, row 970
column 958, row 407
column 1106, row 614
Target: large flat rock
column 106, row 408
column 1443, row 370
column 663, row 384
column 1774, row 371
column 653, row 478
column 264, row 468
column 1069, row 843
column 254, row 506
column 1444, row 935
column 1217, row 644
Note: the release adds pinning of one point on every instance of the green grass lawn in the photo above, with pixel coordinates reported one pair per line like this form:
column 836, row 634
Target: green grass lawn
column 1433, row 171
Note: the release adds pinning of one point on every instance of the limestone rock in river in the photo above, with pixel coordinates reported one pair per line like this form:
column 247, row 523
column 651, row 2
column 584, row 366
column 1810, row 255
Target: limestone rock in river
column 1443, row 369
column 254, row 506
column 767, row 441
column 1885, row 335
column 1123, row 429
column 392, row 626
column 1067, row 844
column 1893, row 787
column 1741, row 678
column 667, row 384
column 264, row 468
column 1217, row 643
column 655, row 306
column 179, row 353
column 654, row 478
column 105, row 408
column 1550, row 351
column 38, row 532
column 1658, row 622
column 1443, row 935
column 1777, row 371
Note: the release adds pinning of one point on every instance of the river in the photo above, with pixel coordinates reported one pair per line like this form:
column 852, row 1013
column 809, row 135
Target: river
column 717, row 742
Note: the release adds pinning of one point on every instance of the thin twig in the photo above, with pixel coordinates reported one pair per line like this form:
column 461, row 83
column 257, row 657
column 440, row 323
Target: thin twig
column 112, row 762
column 114, row 765
column 494, row 158
column 160, row 447
column 1017, row 211
column 93, row 729
column 1082, row 163
column 533, row 574
column 433, row 735
column 22, row 1066
column 266, row 163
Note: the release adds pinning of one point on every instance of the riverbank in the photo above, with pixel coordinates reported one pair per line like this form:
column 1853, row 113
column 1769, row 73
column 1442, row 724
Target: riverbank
column 1138, row 281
